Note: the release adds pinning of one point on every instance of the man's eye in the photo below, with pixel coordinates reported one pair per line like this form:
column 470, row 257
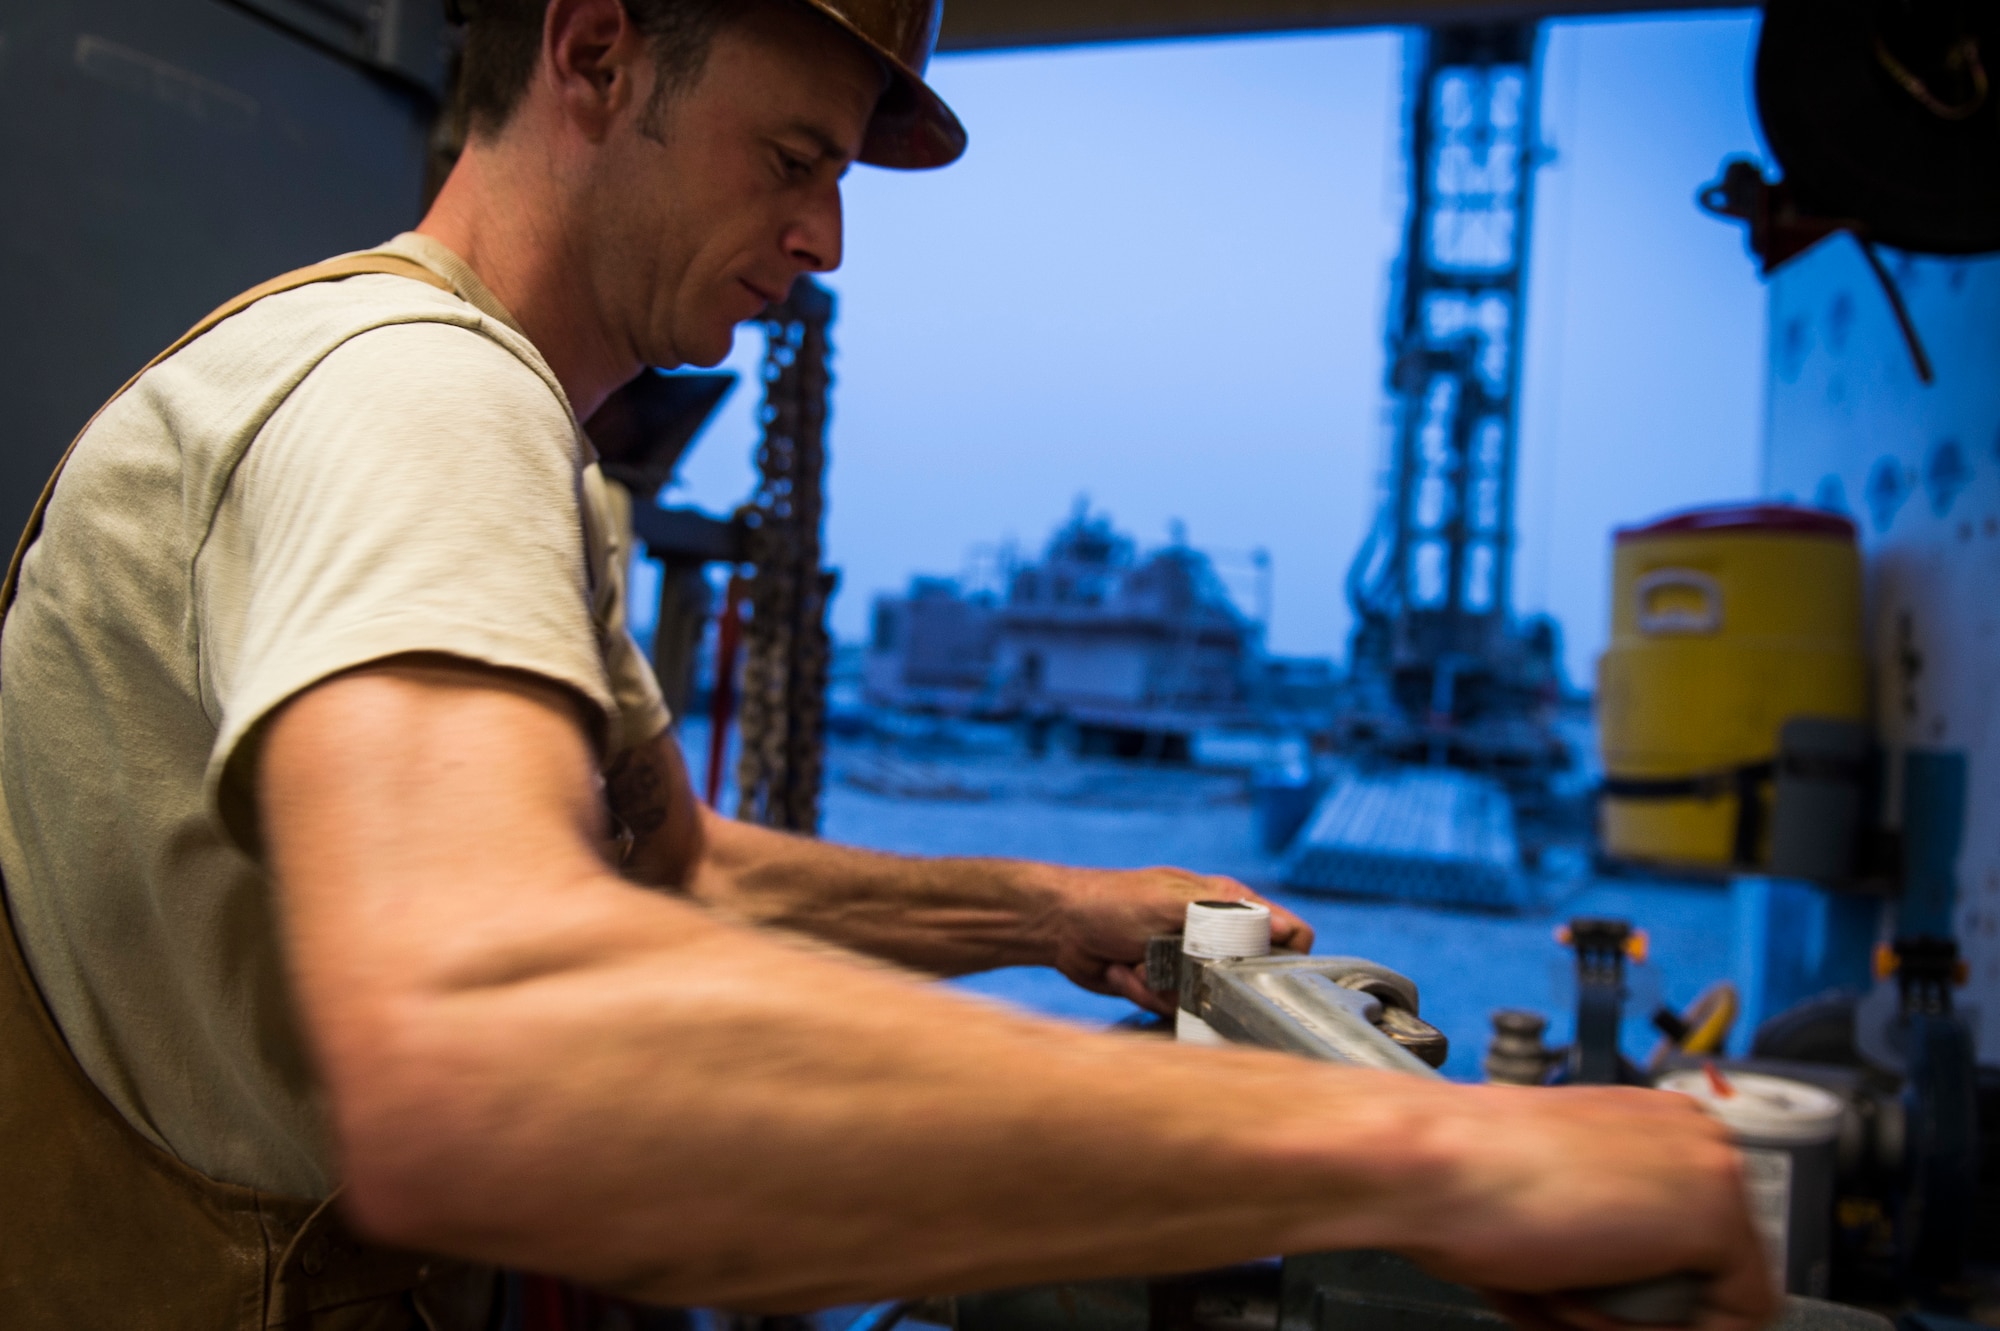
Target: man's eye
column 793, row 167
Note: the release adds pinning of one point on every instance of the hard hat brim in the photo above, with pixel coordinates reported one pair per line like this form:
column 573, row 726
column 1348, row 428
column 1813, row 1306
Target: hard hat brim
column 912, row 129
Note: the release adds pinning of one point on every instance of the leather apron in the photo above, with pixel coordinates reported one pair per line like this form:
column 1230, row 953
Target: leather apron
column 100, row 1228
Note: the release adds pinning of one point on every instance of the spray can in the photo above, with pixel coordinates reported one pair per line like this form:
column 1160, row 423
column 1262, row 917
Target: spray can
column 1787, row 1132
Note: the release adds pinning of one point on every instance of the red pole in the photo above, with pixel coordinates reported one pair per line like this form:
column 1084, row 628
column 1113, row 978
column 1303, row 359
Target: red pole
column 722, row 698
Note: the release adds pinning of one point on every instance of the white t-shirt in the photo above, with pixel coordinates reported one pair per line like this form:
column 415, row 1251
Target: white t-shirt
column 343, row 472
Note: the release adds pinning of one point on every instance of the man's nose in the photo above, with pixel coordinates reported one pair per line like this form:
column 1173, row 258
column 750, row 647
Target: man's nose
column 813, row 240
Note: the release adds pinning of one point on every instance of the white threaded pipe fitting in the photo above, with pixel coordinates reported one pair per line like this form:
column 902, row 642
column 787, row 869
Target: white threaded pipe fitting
column 1219, row 931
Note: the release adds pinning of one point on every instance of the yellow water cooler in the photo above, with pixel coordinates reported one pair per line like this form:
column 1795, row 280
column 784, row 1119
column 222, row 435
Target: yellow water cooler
column 1727, row 625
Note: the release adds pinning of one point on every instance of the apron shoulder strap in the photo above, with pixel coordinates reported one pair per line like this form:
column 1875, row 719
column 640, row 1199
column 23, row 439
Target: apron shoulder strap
column 332, row 270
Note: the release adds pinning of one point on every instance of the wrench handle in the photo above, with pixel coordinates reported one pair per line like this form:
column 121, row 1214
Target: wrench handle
column 1670, row 1300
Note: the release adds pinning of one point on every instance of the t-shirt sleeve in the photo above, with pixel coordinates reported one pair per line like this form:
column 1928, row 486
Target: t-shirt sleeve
column 641, row 712
column 417, row 492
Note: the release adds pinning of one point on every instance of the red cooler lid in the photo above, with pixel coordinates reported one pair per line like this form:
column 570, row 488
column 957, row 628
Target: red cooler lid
column 1745, row 518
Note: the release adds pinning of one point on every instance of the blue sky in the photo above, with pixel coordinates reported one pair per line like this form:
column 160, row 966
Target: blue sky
column 1158, row 278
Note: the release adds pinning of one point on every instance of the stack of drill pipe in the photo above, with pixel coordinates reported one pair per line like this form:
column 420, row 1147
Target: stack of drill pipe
column 1426, row 835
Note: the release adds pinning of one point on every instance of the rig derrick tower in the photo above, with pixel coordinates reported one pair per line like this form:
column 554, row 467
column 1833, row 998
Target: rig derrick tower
column 1435, row 648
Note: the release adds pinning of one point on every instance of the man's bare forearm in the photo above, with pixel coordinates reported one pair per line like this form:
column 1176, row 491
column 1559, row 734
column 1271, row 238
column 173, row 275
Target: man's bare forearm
column 944, row 916
column 682, row 1111
column 947, row 916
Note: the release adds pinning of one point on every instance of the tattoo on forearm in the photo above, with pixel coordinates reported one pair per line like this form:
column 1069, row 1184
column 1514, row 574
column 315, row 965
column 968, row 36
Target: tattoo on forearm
column 637, row 793
column 656, row 824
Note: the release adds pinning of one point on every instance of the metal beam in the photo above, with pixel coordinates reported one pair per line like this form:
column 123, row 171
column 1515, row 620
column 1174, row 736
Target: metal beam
column 998, row 25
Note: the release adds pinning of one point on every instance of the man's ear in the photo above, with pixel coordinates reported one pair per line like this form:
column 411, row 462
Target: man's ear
column 592, row 59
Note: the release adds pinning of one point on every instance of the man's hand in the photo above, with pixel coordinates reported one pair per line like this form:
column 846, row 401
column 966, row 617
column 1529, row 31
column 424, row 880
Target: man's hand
column 1103, row 918
column 1552, row 1192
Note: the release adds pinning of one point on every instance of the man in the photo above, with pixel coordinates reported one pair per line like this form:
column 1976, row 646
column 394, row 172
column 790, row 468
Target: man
column 309, row 685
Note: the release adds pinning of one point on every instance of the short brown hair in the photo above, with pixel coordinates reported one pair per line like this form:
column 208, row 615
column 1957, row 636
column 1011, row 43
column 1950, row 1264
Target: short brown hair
column 503, row 38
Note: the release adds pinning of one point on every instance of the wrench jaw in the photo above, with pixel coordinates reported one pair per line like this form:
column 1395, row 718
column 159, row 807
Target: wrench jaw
column 1335, row 1009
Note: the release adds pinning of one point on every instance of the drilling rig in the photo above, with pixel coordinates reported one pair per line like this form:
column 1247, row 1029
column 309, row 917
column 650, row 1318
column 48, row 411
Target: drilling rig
column 1443, row 674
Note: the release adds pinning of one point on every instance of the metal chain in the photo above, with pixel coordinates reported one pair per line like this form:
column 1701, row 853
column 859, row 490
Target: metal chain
column 787, row 652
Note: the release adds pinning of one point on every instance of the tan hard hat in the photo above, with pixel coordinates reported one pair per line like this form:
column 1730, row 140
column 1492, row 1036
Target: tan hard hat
column 912, row 128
